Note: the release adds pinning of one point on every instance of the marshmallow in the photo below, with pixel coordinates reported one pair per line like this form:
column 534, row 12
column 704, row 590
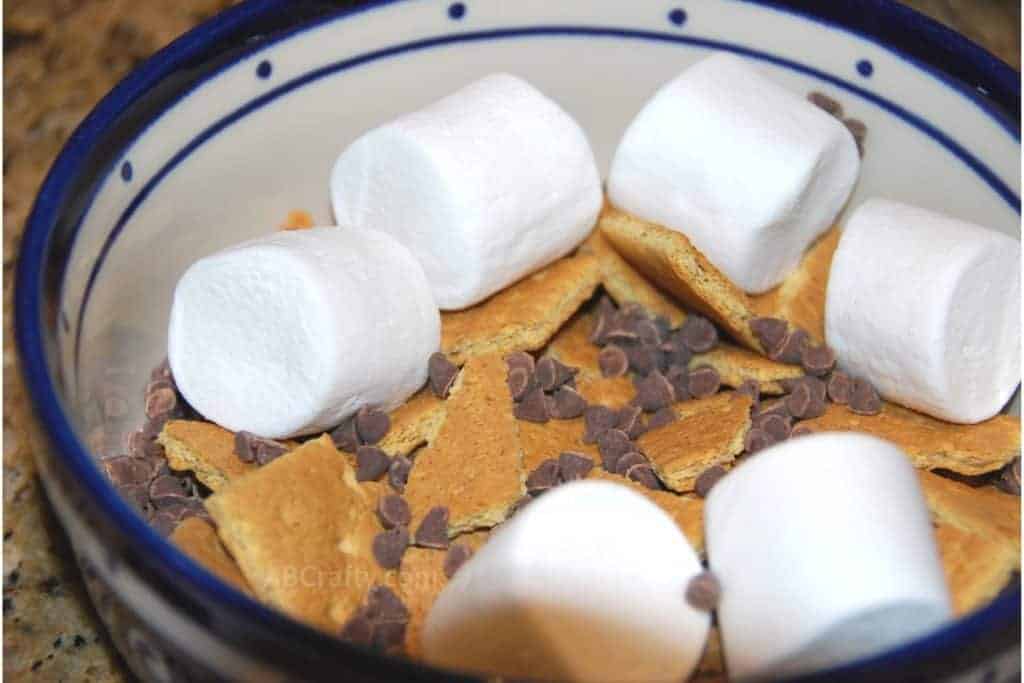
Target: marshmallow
column 484, row 186
column 586, row 583
column 749, row 171
column 825, row 552
column 927, row 308
column 291, row 333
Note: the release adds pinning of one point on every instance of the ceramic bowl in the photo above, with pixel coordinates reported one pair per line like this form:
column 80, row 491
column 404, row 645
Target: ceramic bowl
column 221, row 134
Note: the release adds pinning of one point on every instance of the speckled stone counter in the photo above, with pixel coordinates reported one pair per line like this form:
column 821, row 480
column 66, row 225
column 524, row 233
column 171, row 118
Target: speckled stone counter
column 60, row 57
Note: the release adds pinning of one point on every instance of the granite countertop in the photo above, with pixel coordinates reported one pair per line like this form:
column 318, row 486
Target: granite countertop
column 60, row 57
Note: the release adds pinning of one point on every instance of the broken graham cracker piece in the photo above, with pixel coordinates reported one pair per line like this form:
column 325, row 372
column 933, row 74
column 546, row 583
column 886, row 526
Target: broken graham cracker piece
column 540, row 442
column 735, row 365
column 206, row 449
column 413, row 423
column 572, row 345
column 624, row 284
column 523, row 316
column 198, row 539
column 613, row 392
column 709, row 431
column 930, row 443
column 978, row 534
column 686, row 511
column 301, row 529
column 474, row 466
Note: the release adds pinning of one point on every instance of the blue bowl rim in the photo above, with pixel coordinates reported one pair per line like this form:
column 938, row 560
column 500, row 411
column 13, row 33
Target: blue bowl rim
column 894, row 27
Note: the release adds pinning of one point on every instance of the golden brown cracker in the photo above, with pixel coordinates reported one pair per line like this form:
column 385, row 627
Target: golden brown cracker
column 301, row 529
column 930, row 443
column 613, row 392
column 198, row 539
column 420, row 580
column 735, row 365
column 800, row 298
column 523, row 316
column 624, row 284
column 686, row 511
column 540, row 442
column 474, row 467
column 709, row 431
column 572, row 345
column 414, row 423
column 204, row 448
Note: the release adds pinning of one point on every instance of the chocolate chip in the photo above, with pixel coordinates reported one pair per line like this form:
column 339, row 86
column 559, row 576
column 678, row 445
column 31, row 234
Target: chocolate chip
column 1009, row 478
column 268, row 450
column 698, row 334
column 756, row 440
column 799, row 430
column 371, row 463
column 161, row 401
column 644, row 474
column 775, row 406
column 546, row 476
column 573, row 466
column 398, row 472
column 864, row 400
column 648, row 333
column 520, row 359
column 520, row 504
column 769, row 331
column 776, row 426
column 137, row 495
column 859, row 131
column 752, row 388
column 358, row 630
column 606, row 314
column 791, row 349
column 382, row 604
column 622, row 335
column 164, row 522
column 612, row 444
column 442, row 373
column 533, row 407
column 703, row 381
column 623, row 464
column 703, row 592
column 674, row 352
column 654, row 392
column 551, row 374
column 818, row 360
column 679, row 377
column 456, row 557
column 613, row 361
column 566, row 404
column 389, row 635
column 707, row 479
column 630, row 421
column 596, row 420
column 433, row 530
column 839, row 387
column 125, row 469
column 389, row 547
column 345, row 436
column 392, row 511
column 661, row 418
column 371, row 424
column 828, row 104
column 519, row 383
column 804, row 402
column 643, row 359
column 167, row 489
column 243, row 446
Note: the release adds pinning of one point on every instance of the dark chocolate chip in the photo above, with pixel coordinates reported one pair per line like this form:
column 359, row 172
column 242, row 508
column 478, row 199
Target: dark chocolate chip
column 596, row 420
column 358, row 630
column 268, row 450
column 839, row 387
column 771, row 332
column 644, row 474
column 566, row 404
column 654, row 392
column 679, row 377
column 704, row 591
column 392, row 511
column 703, row 381
column 161, row 401
column 613, row 361
column 799, row 430
column 599, row 332
column 398, row 472
column 433, row 530
column 166, row 489
column 643, row 359
column 533, row 407
column 698, row 334
column 612, row 444
column 707, row 479
column 164, row 522
column 371, row 463
column 345, row 436
column 371, row 424
column 828, row 104
column 552, row 374
column 519, row 383
column 648, row 333
column 818, row 360
column 757, row 440
column 389, row 547
column 125, row 469
column 382, row 604
column 807, row 398
column 775, row 406
column 457, row 556
column 623, row 464
column 752, row 388
column 630, row 421
column 674, row 352
column 776, row 426
column 546, row 476
column 442, row 373
column 622, row 335
column 864, row 400
column 1009, row 479
column 389, row 635
column 573, row 466
column 791, row 349
column 800, row 402
column 520, row 359
column 137, row 496
column 661, row 418
column 243, row 446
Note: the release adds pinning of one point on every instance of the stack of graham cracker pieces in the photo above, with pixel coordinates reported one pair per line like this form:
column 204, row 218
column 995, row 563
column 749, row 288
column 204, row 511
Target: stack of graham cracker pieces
column 298, row 533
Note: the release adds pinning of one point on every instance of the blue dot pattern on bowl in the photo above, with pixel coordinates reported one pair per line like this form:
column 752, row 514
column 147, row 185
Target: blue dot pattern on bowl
column 677, row 16
column 457, row 10
column 264, row 69
column 865, row 68
column 126, row 171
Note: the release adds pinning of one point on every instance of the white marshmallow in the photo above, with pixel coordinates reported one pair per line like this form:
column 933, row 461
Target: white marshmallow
column 927, row 308
column 291, row 333
column 484, row 186
column 587, row 583
column 749, row 171
column 825, row 552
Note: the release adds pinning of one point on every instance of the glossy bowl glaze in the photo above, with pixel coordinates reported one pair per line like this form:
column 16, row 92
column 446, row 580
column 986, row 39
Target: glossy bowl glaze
column 221, row 134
